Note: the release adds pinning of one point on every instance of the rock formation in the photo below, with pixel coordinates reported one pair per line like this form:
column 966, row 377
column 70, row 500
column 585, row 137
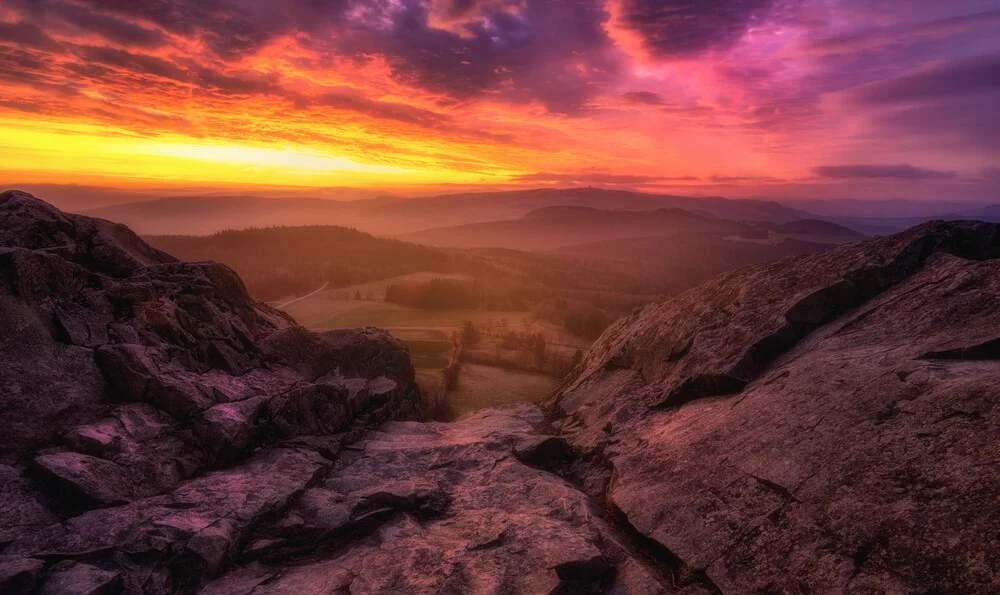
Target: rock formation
column 821, row 424
column 826, row 423
column 154, row 413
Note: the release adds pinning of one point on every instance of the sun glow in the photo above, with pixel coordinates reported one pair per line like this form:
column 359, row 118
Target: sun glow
column 71, row 149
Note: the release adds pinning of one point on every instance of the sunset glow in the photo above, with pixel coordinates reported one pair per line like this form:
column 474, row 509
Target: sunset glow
column 752, row 94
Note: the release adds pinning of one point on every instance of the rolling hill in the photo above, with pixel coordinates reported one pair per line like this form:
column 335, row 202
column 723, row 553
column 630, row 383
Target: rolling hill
column 393, row 216
column 817, row 227
column 556, row 227
column 669, row 265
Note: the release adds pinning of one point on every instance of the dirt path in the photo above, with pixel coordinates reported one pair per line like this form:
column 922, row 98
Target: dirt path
column 298, row 299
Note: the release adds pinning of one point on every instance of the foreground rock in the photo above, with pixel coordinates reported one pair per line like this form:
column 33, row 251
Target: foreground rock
column 442, row 508
column 154, row 414
column 823, row 424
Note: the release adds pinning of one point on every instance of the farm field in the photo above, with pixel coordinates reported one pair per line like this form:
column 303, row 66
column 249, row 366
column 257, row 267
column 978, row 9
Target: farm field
column 324, row 313
column 428, row 334
column 486, row 386
column 325, row 310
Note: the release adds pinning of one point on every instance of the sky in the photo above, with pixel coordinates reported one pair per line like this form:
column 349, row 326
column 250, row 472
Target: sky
column 822, row 98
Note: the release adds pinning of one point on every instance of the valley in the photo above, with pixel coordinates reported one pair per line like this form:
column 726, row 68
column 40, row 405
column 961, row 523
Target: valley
column 536, row 291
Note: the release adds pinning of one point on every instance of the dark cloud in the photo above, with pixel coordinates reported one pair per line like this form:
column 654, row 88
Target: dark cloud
column 895, row 172
column 556, row 52
column 598, row 178
column 643, row 97
column 910, row 32
column 229, row 28
column 379, row 109
column 962, row 77
column 739, row 179
column 952, row 104
column 686, row 28
column 969, row 124
column 27, row 35
column 142, row 64
column 113, row 29
column 457, row 8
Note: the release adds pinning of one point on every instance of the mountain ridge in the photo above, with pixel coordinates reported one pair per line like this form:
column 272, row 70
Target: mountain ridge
column 395, row 216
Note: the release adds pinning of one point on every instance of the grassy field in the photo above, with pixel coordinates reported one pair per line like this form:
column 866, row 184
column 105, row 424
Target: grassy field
column 428, row 335
column 323, row 312
column 486, row 386
column 376, row 289
column 429, row 355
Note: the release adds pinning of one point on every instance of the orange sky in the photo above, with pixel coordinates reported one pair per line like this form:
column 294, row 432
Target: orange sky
column 408, row 94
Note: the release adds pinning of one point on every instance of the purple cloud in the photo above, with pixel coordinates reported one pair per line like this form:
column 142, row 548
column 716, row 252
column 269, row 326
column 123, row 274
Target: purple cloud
column 643, row 97
column 684, row 29
column 871, row 172
column 980, row 74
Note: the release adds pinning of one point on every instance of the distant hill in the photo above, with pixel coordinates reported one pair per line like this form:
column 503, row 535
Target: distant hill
column 289, row 261
column 555, row 227
column 203, row 215
column 817, row 227
column 891, row 225
column 280, row 261
column 285, row 261
column 672, row 264
column 393, row 216
column 990, row 213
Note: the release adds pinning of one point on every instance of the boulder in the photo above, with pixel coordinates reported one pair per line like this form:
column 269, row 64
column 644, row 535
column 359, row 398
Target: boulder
column 76, row 578
column 97, row 479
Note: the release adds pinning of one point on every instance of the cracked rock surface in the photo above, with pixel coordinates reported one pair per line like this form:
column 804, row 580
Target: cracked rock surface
column 442, row 508
column 823, row 424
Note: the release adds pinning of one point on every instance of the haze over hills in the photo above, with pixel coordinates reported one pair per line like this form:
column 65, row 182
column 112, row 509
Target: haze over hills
column 286, row 261
column 200, row 215
column 555, row 227
column 681, row 262
column 886, row 225
column 398, row 216
column 817, row 227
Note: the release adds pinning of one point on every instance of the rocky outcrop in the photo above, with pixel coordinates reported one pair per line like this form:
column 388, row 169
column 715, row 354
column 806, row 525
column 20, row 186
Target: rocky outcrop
column 443, row 508
column 154, row 414
column 826, row 423
column 822, row 424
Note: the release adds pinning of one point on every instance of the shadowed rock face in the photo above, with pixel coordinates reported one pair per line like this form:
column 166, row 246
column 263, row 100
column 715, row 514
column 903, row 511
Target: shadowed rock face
column 822, row 424
column 153, row 412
